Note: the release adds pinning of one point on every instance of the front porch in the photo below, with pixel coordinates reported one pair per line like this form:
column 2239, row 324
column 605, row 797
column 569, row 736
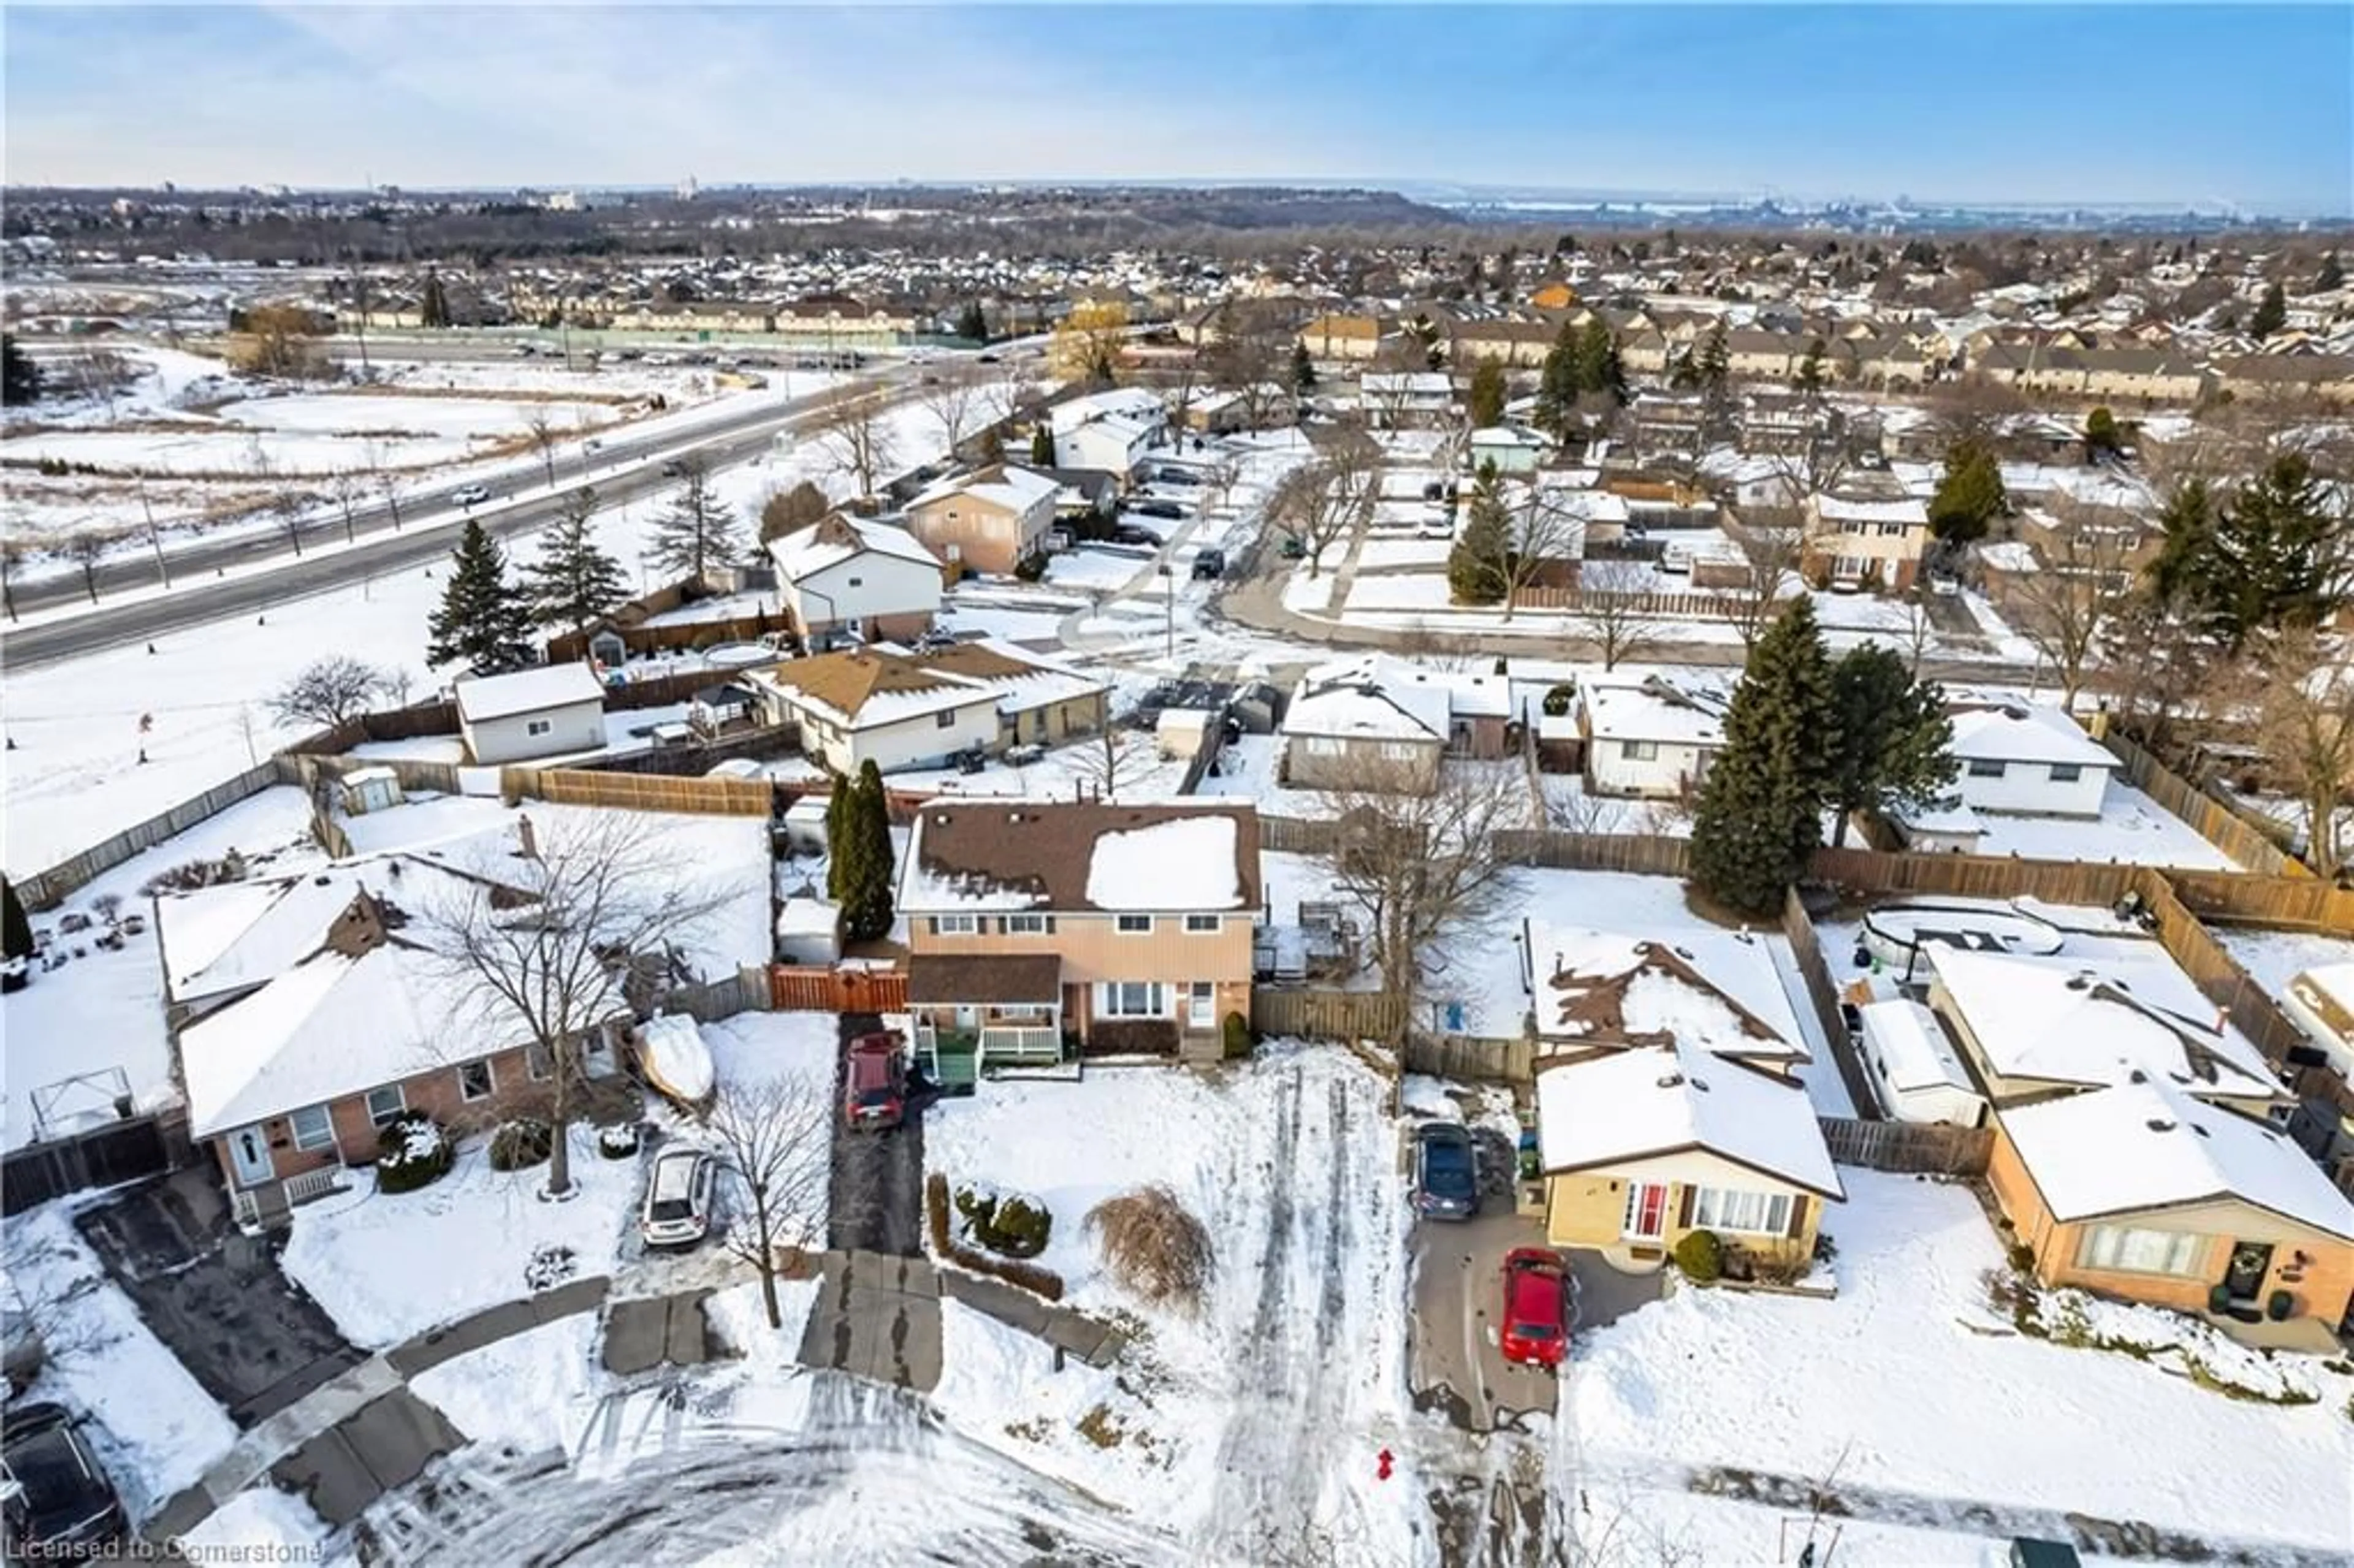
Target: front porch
column 983, row 1014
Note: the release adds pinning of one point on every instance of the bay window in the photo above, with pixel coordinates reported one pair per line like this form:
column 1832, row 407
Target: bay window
column 1131, row 998
column 1754, row 1213
column 2127, row 1250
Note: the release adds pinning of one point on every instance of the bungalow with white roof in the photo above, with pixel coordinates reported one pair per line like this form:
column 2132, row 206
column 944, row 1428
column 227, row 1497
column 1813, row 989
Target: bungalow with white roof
column 2028, row 758
column 2149, row 1193
column 1864, row 543
column 847, row 576
column 544, row 712
column 1650, row 736
column 1113, row 430
column 1513, row 448
column 2320, row 1001
column 1397, row 399
column 1601, row 991
column 1364, row 724
column 991, row 520
column 900, row 709
column 1916, row 1068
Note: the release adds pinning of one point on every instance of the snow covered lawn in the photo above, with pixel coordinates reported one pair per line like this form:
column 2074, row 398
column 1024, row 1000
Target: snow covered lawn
column 463, row 419
column 1138, row 773
column 155, row 1430
column 1097, row 569
column 387, row 1266
column 531, row 1391
column 1401, row 590
column 2133, row 830
column 1908, row 1382
column 2273, row 958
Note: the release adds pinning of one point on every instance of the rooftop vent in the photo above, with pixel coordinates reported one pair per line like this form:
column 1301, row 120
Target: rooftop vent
column 2201, row 1130
column 321, row 880
column 1671, row 1081
column 2138, row 1076
column 2081, row 980
column 2013, row 711
column 2160, row 1124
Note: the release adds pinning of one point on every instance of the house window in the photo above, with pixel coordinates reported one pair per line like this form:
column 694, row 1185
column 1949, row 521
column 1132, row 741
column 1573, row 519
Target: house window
column 944, row 719
column 1013, row 1011
column 538, row 1063
column 1639, row 750
column 2066, row 772
column 1135, row 925
column 2125, row 1250
column 1400, row 751
column 1758, row 1214
column 1132, row 999
column 1203, row 925
column 537, row 727
column 313, row 1129
column 955, row 925
column 385, row 1103
column 1026, row 925
column 474, row 1081
column 1320, row 746
column 1981, row 769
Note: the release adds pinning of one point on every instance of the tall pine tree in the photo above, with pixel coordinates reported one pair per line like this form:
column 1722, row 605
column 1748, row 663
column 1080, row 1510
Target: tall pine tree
column 1969, row 497
column 866, row 899
column 1895, row 743
column 20, row 377
column 1558, row 383
column 1303, row 371
column 573, row 582
column 1760, row 814
column 1042, row 445
column 697, row 537
column 1476, row 569
column 2271, row 312
column 483, row 622
column 837, row 834
column 1599, row 372
column 1486, row 399
column 2276, row 556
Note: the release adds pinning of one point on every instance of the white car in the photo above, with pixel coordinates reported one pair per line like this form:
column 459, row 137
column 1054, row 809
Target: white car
column 470, row 495
column 677, row 1210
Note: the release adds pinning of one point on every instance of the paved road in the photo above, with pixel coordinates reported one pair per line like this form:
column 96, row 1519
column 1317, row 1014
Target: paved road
column 624, row 467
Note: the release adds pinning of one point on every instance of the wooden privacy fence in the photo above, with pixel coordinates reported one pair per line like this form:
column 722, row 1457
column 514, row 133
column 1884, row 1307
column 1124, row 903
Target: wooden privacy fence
column 797, row 988
column 1822, row 994
column 1974, row 875
column 1327, row 1014
column 102, row 1155
column 48, row 889
column 747, row 991
column 1297, row 835
column 2302, row 901
column 1685, row 606
column 1475, row 1058
column 1638, row 854
column 640, row 791
column 1911, row 1147
column 2215, row 821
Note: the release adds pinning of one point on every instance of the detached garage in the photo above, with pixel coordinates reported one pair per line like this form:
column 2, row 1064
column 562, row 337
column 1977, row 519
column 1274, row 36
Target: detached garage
column 545, row 712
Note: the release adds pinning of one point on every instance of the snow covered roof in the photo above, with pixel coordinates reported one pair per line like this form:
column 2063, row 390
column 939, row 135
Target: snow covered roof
column 1133, row 404
column 866, row 688
column 1717, row 989
column 1008, row 485
column 1080, row 856
column 2141, row 1146
column 671, row 1049
column 484, row 697
column 2092, row 1022
column 1663, row 1099
column 1021, row 679
column 1837, row 509
column 2025, row 732
column 807, row 918
column 1912, row 1047
column 1654, row 708
column 1375, row 697
column 803, row 554
column 1406, row 383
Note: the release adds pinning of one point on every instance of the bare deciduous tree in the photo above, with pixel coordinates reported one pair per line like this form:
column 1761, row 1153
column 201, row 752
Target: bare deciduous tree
column 2066, row 605
column 544, row 956
column 772, row 1138
column 954, row 401
column 2299, row 686
column 331, row 691
column 543, row 434
column 345, row 488
column 1247, row 354
column 85, row 550
column 856, row 438
column 1425, row 863
column 286, row 504
column 1544, row 530
column 1610, row 611
column 1772, row 557
column 1319, row 503
column 12, row 555
column 1121, row 760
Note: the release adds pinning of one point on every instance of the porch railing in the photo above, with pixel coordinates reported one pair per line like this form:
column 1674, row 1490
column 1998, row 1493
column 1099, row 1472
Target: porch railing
column 1020, row 1042
column 313, row 1185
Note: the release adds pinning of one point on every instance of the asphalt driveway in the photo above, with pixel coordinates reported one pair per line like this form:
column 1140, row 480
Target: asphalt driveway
column 877, row 1200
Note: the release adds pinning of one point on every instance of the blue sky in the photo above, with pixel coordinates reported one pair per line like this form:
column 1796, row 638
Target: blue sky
column 2152, row 104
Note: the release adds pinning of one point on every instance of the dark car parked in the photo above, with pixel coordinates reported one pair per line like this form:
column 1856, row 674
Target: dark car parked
column 1446, row 1171
column 55, row 1502
column 874, row 1093
column 1210, row 564
column 1152, row 506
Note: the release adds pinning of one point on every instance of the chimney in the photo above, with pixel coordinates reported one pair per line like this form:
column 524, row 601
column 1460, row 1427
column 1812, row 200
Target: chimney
column 526, row 838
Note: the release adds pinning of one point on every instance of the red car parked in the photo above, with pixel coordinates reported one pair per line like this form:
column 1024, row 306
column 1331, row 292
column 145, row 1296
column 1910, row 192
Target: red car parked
column 1536, row 1307
column 874, row 1082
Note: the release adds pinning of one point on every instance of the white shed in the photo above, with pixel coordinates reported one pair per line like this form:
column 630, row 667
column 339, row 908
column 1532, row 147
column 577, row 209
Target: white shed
column 1180, row 732
column 545, row 712
column 1918, row 1073
column 369, row 790
column 805, row 825
column 809, row 931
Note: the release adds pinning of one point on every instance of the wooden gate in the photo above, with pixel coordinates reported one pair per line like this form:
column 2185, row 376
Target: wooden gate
column 801, row 989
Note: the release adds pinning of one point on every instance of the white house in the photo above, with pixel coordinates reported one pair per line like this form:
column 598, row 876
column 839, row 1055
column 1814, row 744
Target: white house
column 1511, row 448
column 2320, row 1001
column 1914, row 1069
column 2028, row 758
column 1364, row 723
column 856, row 578
column 877, row 706
column 1112, row 430
column 1406, row 398
column 545, row 712
column 1650, row 736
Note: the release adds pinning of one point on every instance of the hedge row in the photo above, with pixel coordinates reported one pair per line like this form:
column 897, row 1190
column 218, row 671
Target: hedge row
column 1028, row 1276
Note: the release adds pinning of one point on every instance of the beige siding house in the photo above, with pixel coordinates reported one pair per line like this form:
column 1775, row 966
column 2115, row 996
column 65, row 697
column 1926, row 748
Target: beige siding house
column 991, row 520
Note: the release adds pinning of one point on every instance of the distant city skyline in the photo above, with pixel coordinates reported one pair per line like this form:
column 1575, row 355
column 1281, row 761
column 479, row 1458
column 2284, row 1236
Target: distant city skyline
column 2212, row 108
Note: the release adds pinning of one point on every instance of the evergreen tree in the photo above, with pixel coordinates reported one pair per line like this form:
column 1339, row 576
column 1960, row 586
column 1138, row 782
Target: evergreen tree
column 20, row 379
column 1895, row 743
column 1811, row 376
column 2271, row 312
column 2102, row 437
column 1303, row 370
column 2188, row 550
column 1971, row 496
column 1042, row 445
column 1599, row 372
column 1760, row 812
column 791, row 511
column 483, row 622
column 2277, row 555
column 433, row 305
column 867, row 904
column 696, row 537
column 574, row 582
column 2331, row 278
column 972, row 322
column 1557, row 383
column 1486, row 401
column 839, row 850
column 1476, row 572
column 1712, row 362
column 15, row 931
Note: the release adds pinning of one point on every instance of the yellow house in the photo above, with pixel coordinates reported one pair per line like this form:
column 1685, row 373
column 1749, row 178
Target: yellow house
column 1554, row 296
column 1644, row 1145
column 1333, row 336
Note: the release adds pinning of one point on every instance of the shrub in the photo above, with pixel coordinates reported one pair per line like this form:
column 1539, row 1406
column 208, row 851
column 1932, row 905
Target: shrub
column 1701, row 1257
column 1238, row 1037
column 1556, row 701
column 619, row 1141
column 1038, row 1281
column 1030, row 569
column 2022, row 1257
column 1154, row 1247
column 1021, row 1229
column 520, row 1144
column 412, row 1151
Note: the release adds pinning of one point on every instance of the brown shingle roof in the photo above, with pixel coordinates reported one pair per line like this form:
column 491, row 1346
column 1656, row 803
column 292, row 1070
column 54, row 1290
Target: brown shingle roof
column 845, row 681
column 959, row 980
column 1043, row 848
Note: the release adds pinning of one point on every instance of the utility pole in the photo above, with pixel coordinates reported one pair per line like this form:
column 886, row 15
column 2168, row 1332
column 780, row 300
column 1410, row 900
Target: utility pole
column 1169, row 602
column 154, row 540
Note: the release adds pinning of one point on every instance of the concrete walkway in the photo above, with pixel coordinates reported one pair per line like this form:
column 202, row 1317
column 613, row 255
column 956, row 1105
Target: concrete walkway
column 1097, row 1343
column 362, row 1433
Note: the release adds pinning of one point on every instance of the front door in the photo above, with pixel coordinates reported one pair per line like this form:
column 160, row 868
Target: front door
column 2251, row 1261
column 968, row 1018
column 249, row 1155
column 1202, row 1005
column 1646, row 1210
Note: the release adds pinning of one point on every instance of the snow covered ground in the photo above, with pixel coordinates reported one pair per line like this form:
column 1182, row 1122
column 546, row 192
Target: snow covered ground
column 1139, row 772
column 260, row 1524
column 1795, row 1387
column 2133, row 830
column 387, row 1265
column 2273, row 958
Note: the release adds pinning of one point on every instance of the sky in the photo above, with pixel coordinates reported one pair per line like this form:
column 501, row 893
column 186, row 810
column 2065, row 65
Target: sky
column 2187, row 105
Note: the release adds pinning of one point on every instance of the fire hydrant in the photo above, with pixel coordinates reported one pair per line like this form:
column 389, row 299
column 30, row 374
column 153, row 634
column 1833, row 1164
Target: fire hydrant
column 1385, row 1461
